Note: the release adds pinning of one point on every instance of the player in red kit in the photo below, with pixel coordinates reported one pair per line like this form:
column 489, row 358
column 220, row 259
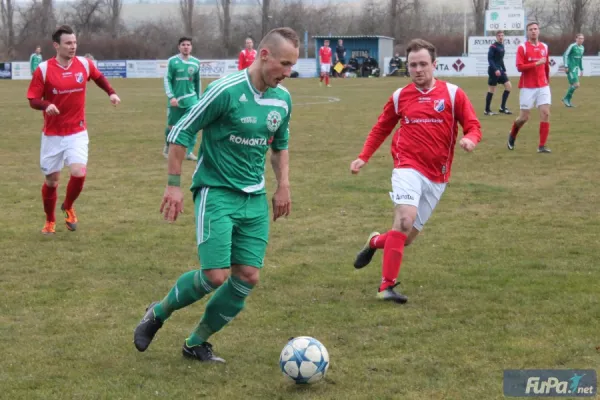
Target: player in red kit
column 58, row 89
column 325, row 62
column 429, row 112
column 534, row 85
column 247, row 55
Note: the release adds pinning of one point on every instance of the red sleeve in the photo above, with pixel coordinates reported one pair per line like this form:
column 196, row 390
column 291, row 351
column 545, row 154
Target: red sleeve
column 547, row 67
column 467, row 117
column 521, row 64
column 103, row 84
column 241, row 61
column 382, row 129
column 39, row 104
column 36, row 86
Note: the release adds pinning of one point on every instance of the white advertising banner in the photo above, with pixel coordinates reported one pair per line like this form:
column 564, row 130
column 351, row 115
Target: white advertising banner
column 20, row 70
column 481, row 44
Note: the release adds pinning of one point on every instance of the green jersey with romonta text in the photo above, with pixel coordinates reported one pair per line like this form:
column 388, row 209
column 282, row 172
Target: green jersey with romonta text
column 238, row 124
column 182, row 80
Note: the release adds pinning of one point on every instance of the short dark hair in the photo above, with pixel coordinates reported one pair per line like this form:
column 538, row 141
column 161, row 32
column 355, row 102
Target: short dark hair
column 285, row 33
column 532, row 23
column 184, row 39
column 499, row 32
column 419, row 44
column 61, row 30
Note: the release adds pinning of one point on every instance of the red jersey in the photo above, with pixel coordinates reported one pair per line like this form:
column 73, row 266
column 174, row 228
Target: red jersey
column 246, row 58
column 325, row 55
column 533, row 76
column 429, row 128
column 65, row 88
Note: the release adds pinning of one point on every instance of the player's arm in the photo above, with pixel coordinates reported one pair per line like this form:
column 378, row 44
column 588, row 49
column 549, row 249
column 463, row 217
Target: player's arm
column 241, row 61
column 35, row 95
column 386, row 122
column 213, row 103
column 280, row 161
column 581, row 60
column 197, row 83
column 167, row 79
column 31, row 64
column 522, row 64
column 467, row 118
column 567, row 55
column 491, row 58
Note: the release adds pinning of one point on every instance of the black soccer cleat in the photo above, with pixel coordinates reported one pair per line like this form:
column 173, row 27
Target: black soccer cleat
column 146, row 329
column 505, row 111
column 389, row 294
column 543, row 149
column 511, row 142
column 365, row 255
column 202, row 353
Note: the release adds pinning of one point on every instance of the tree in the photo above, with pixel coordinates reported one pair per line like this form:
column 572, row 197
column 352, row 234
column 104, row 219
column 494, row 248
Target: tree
column 47, row 17
column 224, row 8
column 186, row 9
column 479, row 8
column 114, row 11
column 8, row 29
column 266, row 8
column 578, row 14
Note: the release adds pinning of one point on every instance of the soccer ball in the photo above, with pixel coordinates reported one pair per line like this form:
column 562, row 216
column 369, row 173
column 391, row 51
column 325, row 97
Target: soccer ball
column 304, row 360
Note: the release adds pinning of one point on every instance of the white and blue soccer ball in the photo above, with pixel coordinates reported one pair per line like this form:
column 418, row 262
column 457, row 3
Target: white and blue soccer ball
column 304, row 360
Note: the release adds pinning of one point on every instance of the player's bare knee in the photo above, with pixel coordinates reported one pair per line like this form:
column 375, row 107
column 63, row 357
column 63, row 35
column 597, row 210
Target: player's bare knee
column 217, row 276
column 52, row 179
column 545, row 115
column 576, row 85
column 78, row 170
column 247, row 274
column 403, row 224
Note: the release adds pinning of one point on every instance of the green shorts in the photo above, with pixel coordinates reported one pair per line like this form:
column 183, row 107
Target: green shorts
column 174, row 114
column 231, row 228
column 573, row 75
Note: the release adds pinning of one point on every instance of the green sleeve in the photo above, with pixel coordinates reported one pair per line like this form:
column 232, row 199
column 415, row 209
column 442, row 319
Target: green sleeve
column 581, row 59
column 567, row 54
column 212, row 105
column 197, row 82
column 32, row 64
column 280, row 141
column 167, row 81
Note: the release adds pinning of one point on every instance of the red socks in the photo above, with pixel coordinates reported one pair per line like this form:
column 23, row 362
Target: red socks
column 544, row 132
column 49, row 200
column 74, row 188
column 378, row 242
column 392, row 258
column 327, row 79
column 514, row 131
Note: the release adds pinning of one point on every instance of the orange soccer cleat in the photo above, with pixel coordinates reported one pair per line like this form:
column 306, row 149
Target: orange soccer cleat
column 49, row 228
column 70, row 217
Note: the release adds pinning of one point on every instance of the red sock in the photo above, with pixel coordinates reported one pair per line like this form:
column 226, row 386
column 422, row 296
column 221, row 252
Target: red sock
column 392, row 258
column 321, row 80
column 74, row 187
column 327, row 79
column 544, row 132
column 49, row 200
column 378, row 242
column 514, row 131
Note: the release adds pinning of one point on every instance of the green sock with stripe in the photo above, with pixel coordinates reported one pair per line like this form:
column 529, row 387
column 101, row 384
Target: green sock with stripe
column 223, row 306
column 189, row 288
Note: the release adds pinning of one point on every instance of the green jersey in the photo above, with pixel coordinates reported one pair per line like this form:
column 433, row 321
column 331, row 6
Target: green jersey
column 238, row 124
column 182, row 80
column 573, row 57
column 34, row 61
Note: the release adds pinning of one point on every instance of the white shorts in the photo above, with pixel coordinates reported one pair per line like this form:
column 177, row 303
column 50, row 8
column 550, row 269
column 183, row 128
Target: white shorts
column 58, row 151
column 410, row 187
column 325, row 68
column 529, row 98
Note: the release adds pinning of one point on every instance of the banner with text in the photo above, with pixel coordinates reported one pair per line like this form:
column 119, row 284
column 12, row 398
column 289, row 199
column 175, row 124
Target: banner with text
column 113, row 68
column 481, row 44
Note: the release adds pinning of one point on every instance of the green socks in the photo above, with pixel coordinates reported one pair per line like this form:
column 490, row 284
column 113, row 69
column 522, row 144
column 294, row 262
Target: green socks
column 570, row 92
column 224, row 305
column 189, row 288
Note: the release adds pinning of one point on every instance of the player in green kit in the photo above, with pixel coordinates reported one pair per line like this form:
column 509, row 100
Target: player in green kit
column 183, row 88
column 242, row 115
column 35, row 59
column 573, row 59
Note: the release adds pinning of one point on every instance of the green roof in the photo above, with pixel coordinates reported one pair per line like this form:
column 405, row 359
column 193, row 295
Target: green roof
column 351, row 37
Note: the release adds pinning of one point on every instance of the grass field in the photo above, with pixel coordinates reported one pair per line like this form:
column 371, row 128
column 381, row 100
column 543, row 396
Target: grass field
column 505, row 276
